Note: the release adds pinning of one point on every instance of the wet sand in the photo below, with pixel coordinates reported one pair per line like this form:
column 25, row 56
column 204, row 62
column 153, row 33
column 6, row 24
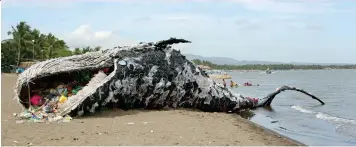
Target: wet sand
column 134, row 127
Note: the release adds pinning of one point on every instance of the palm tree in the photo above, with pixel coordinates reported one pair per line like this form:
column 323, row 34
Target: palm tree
column 8, row 55
column 77, row 51
column 86, row 49
column 21, row 34
column 97, row 48
column 54, row 45
column 38, row 38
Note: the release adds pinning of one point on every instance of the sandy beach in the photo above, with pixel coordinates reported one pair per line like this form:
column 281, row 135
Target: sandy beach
column 134, row 127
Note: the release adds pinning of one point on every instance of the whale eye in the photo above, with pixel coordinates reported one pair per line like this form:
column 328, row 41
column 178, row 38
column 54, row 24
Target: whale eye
column 122, row 62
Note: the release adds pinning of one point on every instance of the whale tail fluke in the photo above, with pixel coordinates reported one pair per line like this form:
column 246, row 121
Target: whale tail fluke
column 269, row 98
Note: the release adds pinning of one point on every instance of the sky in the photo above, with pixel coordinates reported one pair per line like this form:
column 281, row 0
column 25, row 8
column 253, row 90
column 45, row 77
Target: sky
column 310, row 31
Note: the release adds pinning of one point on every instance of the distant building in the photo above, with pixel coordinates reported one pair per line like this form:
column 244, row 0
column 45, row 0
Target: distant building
column 204, row 67
column 26, row 64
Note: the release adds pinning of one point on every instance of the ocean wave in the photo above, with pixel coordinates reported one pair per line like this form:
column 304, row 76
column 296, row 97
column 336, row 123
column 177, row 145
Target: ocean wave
column 301, row 109
column 347, row 130
column 334, row 119
column 324, row 116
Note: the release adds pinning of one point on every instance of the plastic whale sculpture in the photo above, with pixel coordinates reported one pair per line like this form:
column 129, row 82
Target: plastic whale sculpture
column 147, row 75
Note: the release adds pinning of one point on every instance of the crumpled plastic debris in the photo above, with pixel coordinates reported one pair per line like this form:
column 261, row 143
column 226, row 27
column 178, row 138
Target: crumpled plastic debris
column 36, row 100
column 67, row 119
column 76, row 89
column 63, row 99
column 46, row 99
column 55, row 118
column 47, row 108
column 26, row 114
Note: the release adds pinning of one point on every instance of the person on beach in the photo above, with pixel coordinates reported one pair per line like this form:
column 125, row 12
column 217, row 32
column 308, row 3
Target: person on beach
column 232, row 84
column 224, row 83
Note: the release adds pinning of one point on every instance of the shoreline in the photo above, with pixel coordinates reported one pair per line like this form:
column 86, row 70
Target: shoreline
column 135, row 127
column 298, row 143
column 248, row 70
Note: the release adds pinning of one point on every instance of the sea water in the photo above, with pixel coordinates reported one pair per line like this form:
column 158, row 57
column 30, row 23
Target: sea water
column 300, row 117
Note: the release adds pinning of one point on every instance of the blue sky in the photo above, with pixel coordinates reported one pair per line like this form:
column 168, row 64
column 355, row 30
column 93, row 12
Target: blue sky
column 317, row 31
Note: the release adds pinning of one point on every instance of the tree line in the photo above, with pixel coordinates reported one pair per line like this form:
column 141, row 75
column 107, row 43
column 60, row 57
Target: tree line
column 29, row 44
column 270, row 66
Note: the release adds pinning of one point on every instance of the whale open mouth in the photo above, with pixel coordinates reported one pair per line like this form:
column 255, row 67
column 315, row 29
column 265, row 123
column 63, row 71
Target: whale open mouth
column 75, row 86
column 60, row 85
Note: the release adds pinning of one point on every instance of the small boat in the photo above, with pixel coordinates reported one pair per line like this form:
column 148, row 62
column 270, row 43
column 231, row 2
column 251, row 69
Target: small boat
column 247, row 84
column 268, row 71
column 250, row 84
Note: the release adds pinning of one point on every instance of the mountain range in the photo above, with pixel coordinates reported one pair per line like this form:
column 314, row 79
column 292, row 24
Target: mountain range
column 231, row 61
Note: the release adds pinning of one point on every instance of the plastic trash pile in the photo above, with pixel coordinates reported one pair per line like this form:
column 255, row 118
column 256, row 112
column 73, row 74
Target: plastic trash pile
column 40, row 116
column 44, row 102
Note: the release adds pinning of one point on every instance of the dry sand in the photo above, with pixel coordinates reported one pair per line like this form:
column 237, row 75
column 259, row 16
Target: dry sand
column 135, row 127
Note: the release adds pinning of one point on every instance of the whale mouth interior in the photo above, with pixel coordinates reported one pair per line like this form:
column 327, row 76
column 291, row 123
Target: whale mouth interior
column 38, row 86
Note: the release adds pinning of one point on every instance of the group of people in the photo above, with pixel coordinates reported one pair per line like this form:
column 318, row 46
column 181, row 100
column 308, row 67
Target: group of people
column 232, row 84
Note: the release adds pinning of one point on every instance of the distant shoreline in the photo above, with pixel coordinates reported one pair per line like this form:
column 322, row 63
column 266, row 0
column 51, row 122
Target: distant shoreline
column 210, row 65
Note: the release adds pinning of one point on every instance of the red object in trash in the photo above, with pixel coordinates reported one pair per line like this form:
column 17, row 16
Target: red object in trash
column 69, row 88
column 106, row 70
column 36, row 100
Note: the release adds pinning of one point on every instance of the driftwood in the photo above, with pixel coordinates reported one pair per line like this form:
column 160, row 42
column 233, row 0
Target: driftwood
column 148, row 75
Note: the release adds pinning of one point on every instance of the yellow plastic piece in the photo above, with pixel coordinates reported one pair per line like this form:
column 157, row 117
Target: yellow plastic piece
column 62, row 99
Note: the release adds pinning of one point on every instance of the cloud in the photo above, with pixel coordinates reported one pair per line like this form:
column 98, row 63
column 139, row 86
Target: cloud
column 313, row 27
column 287, row 6
column 242, row 21
column 179, row 18
column 282, row 6
column 85, row 32
column 84, row 35
column 299, row 23
column 305, row 26
column 53, row 4
column 175, row 23
column 141, row 19
column 248, row 24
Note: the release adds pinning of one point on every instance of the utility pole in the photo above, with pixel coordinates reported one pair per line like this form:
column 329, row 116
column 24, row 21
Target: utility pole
column 50, row 50
column 42, row 54
column 39, row 46
column 33, row 50
column 19, row 54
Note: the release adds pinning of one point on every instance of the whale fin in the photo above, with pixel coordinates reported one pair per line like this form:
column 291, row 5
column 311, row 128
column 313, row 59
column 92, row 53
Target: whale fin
column 164, row 43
